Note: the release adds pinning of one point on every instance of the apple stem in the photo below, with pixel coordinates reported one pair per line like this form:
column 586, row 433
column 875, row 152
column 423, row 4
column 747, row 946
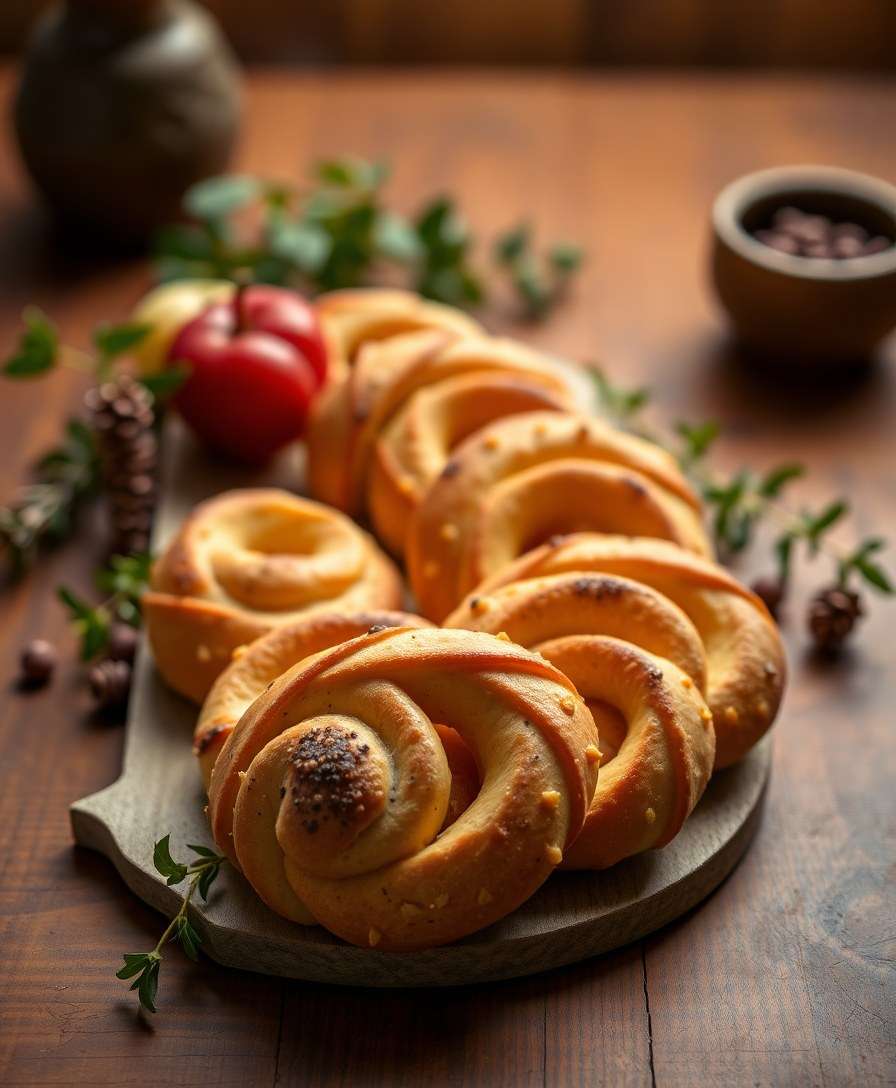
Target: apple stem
column 239, row 324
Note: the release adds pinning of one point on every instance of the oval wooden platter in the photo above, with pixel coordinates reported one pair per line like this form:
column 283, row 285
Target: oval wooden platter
column 572, row 917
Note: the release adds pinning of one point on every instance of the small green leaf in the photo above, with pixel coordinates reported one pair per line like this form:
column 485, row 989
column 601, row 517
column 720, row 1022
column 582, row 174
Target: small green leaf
column 216, row 198
column 38, row 347
column 513, row 244
column 125, row 575
column 203, row 851
column 304, row 244
column 784, row 555
column 166, row 382
column 79, row 609
column 396, row 239
column 188, row 937
column 873, row 575
column 207, row 878
column 91, row 624
column 165, row 864
column 134, row 962
column 698, row 437
column 817, row 526
column 566, row 258
column 774, row 480
column 351, row 173
column 148, row 986
column 111, row 341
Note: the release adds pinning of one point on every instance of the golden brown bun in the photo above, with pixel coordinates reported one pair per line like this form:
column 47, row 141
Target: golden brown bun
column 380, row 436
column 247, row 561
column 331, row 790
column 745, row 662
column 521, row 480
column 639, row 663
column 256, row 666
column 349, row 319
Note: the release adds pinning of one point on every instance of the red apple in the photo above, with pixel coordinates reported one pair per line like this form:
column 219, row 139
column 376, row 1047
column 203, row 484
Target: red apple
column 255, row 363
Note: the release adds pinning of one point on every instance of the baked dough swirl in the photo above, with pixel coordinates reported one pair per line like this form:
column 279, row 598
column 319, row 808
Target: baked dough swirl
column 257, row 665
column 246, row 561
column 519, row 481
column 352, row 318
column 331, row 790
column 639, row 663
column 746, row 667
column 378, row 438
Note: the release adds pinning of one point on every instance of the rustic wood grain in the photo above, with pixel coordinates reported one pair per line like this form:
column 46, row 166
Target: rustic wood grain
column 784, row 976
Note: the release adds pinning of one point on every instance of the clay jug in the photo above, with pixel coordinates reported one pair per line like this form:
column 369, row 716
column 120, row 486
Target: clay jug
column 122, row 105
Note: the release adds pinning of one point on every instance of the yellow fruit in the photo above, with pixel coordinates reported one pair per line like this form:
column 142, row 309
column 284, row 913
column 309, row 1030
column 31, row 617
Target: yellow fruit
column 166, row 309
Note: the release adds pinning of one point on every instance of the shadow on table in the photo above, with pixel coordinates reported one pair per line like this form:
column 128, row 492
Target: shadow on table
column 751, row 391
column 36, row 253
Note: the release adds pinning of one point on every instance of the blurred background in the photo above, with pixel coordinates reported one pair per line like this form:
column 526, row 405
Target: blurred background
column 802, row 34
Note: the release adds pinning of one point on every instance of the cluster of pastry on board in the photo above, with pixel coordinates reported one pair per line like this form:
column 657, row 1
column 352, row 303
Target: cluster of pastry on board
column 403, row 783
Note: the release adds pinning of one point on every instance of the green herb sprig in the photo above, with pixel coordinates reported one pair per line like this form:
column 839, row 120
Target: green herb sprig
column 69, row 473
column 142, row 968
column 124, row 580
column 337, row 232
column 740, row 502
column 540, row 280
column 45, row 510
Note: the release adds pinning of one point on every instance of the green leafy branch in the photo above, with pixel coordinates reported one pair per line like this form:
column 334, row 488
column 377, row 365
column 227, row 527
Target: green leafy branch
column 143, row 967
column 124, row 579
column 337, row 232
column 740, row 502
column 40, row 350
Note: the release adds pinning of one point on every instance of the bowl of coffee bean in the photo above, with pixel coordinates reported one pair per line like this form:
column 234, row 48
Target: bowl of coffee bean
column 804, row 263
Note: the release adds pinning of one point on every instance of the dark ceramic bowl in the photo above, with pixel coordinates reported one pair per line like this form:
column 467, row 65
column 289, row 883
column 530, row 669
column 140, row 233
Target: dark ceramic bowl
column 798, row 309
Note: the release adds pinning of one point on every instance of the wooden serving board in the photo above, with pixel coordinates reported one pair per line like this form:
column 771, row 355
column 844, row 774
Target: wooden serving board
column 573, row 916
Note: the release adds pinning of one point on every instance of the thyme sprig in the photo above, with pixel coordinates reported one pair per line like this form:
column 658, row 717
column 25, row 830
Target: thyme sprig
column 738, row 503
column 143, row 967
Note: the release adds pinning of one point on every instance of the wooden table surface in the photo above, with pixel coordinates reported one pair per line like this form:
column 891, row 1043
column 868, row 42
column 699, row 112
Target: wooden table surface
column 785, row 975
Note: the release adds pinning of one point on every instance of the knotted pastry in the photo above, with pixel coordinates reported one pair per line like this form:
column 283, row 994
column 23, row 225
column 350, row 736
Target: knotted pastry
column 257, row 665
column 639, row 663
column 745, row 664
column 247, row 561
column 332, row 788
column 379, row 437
column 517, row 482
column 349, row 319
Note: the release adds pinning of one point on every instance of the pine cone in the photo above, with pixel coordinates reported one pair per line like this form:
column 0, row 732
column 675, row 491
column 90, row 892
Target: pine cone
column 832, row 616
column 122, row 414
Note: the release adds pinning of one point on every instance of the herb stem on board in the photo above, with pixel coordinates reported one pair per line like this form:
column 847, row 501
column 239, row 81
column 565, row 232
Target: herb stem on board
column 143, row 967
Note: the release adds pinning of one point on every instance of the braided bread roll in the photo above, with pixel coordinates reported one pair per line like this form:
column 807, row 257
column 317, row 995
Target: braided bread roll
column 259, row 664
column 349, row 319
column 746, row 668
column 382, row 435
column 245, row 562
column 521, row 480
column 639, row 663
column 331, row 791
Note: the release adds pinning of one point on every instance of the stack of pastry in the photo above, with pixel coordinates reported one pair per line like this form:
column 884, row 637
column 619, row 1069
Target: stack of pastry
column 405, row 784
